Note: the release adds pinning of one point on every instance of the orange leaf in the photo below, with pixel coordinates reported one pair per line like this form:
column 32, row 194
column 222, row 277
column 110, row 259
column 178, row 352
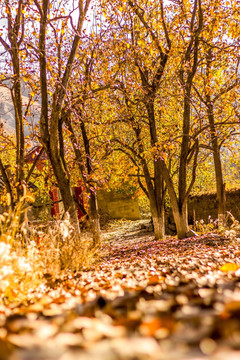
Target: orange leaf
column 154, row 279
column 149, row 328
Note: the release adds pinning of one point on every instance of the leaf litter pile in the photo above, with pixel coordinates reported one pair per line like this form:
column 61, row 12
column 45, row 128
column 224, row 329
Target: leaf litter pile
column 144, row 299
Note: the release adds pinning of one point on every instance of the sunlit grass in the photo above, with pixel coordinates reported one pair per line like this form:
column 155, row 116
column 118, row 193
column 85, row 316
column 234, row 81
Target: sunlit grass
column 28, row 253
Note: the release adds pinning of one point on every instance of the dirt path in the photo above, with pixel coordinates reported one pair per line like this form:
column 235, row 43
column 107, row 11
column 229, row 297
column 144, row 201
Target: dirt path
column 145, row 299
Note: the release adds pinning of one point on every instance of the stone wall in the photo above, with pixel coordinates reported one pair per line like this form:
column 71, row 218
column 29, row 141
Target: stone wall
column 118, row 206
column 205, row 205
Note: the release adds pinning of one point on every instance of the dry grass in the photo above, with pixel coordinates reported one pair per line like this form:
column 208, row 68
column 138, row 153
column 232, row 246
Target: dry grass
column 60, row 247
column 28, row 252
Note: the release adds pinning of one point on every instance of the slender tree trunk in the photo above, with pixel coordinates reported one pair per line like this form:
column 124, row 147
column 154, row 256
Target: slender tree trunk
column 157, row 201
column 16, row 93
column 221, row 198
column 220, row 187
column 7, row 184
column 94, row 219
column 159, row 222
column 156, row 207
column 189, row 68
column 17, row 100
column 94, row 216
column 15, row 26
column 182, row 177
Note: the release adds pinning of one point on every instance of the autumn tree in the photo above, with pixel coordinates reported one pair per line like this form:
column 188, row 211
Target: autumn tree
column 82, row 115
column 156, row 43
column 84, row 134
column 215, row 87
column 14, row 73
column 135, row 98
column 12, row 40
column 53, row 93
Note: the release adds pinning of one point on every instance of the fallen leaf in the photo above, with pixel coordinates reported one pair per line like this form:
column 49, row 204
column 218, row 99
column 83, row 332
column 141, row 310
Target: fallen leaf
column 155, row 279
column 229, row 267
column 149, row 328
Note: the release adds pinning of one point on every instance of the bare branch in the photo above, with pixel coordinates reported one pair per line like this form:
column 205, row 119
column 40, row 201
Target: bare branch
column 165, row 27
column 194, row 167
column 34, row 164
column 17, row 22
column 5, row 45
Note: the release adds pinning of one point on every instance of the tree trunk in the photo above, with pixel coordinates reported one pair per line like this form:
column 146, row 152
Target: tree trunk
column 156, row 191
column 156, row 206
column 180, row 218
column 221, row 201
column 16, row 93
column 156, row 197
column 182, row 177
column 94, row 219
column 17, row 101
column 189, row 68
column 4, row 174
column 158, row 222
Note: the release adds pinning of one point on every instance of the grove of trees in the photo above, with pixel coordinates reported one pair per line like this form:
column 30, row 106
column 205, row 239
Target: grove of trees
column 141, row 88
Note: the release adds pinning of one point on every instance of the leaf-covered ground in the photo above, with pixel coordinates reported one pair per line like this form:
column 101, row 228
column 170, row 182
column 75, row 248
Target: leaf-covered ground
column 144, row 299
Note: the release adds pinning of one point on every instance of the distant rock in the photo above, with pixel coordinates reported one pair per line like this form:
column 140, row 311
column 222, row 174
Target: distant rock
column 7, row 115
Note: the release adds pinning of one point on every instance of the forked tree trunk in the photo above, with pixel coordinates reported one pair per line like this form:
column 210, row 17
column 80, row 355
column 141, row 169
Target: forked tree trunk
column 93, row 209
column 180, row 214
column 61, row 174
column 180, row 217
column 66, row 194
